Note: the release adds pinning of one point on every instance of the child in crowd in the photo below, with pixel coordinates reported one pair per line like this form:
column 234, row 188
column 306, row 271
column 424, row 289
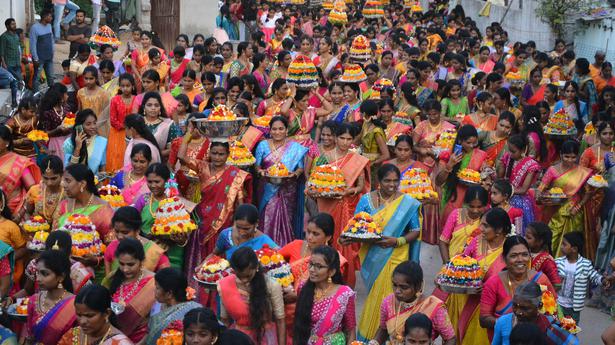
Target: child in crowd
column 538, row 237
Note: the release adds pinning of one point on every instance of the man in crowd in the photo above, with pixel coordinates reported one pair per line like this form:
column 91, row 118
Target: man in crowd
column 78, row 34
column 41, row 46
column 10, row 49
column 58, row 10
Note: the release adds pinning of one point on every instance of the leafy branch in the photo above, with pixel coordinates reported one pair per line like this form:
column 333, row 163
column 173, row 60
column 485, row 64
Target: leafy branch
column 558, row 12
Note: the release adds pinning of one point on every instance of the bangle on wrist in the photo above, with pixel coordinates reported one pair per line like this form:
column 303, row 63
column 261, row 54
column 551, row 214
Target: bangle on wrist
column 401, row 241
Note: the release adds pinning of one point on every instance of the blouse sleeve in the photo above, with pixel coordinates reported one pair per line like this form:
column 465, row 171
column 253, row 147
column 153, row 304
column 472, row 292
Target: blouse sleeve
column 447, row 231
column 277, row 300
column 349, row 321
column 384, row 312
column 547, row 179
column 488, row 298
column 442, row 324
column 550, row 270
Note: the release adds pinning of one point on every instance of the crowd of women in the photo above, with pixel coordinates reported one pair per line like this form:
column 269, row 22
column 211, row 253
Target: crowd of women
column 135, row 128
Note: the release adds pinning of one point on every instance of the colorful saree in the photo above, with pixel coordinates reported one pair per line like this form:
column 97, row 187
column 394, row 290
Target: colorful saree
column 353, row 166
column 158, row 322
column 220, row 194
column 493, row 146
column 168, row 101
column 518, row 173
column 76, row 337
column 464, row 309
column 393, row 319
column 226, row 245
column 116, row 145
column 333, row 316
column 377, row 264
column 488, row 123
column 98, row 101
column 140, row 59
column 131, row 190
column 281, row 207
column 458, row 231
column 133, row 321
column 606, row 242
column 17, row 175
column 48, row 328
column 100, row 215
column 155, row 259
column 593, row 158
column 562, row 221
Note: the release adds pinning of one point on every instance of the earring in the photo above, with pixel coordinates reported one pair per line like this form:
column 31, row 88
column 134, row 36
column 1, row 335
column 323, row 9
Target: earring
column 214, row 340
column 329, row 280
column 60, row 286
column 82, row 189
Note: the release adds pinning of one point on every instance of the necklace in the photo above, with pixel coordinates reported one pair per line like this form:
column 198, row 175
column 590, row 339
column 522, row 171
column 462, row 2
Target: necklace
column 322, row 293
column 435, row 128
column 152, row 123
column 102, row 340
column 41, row 302
column 21, row 125
column 510, row 284
column 151, row 202
column 86, row 205
column 124, row 295
column 399, row 336
column 131, row 179
column 51, row 201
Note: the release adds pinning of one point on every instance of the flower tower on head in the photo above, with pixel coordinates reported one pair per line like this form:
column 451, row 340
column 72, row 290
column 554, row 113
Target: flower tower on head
column 104, row 35
column 338, row 15
column 360, row 50
column 373, row 9
column 302, row 73
column 327, row 4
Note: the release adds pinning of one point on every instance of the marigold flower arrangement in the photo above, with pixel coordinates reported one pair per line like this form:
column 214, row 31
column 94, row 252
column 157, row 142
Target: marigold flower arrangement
column 327, row 180
column 360, row 49
column 560, row 123
column 469, row 176
column 104, row 35
column 173, row 334
column 373, row 9
column 172, row 218
column 113, row 195
column 302, row 73
column 35, row 224
column 275, row 266
column 461, row 271
column 38, row 241
column 85, row 238
column 380, row 85
column 598, row 181
column 416, row 183
column 590, row 129
column 278, row 170
column 37, row 135
column 22, row 306
column 240, row 155
column 222, row 113
column 262, row 121
column 213, row 269
column 569, row 324
column 549, row 305
column 446, row 139
column 338, row 15
column 362, row 226
column 69, row 120
column 555, row 192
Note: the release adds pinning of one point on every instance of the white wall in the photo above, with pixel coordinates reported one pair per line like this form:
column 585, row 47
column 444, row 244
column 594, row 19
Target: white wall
column 13, row 9
column 595, row 35
column 197, row 16
column 522, row 24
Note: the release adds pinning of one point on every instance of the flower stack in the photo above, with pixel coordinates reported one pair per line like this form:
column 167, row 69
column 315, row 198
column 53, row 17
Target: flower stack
column 240, row 155
column 302, row 73
column 360, row 50
column 338, row 15
column 413, row 5
column 549, row 306
column 213, row 269
column 362, row 226
column 85, row 238
column 113, row 195
column 380, row 85
column 37, row 135
column 590, row 129
column 22, row 306
column 104, row 35
column 469, row 176
column 416, row 183
column 461, row 272
column 278, row 170
column 69, row 120
column 35, row 224
column 373, row 9
column 353, row 73
column 560, row 123
column 38, row 241
column 555, row 193
column 446, row 139
column 172, row 218
column 173, row 334
column 275, row 266
column 327, row 181
column 221, row 113
column 327, row 5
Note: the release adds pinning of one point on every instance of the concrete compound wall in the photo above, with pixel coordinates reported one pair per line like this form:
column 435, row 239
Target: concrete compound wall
column 521, row 21
column 13, row 9
column 595, row 35
column 198, row 16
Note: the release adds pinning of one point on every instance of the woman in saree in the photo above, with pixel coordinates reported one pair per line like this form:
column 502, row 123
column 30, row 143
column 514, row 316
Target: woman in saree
column 302, row 118
column 85, row 146
column 407, row 105
column 177, row 66
column 576, row 109
column 356, row 175
column 350, row 110
column 533, row 91
column 502, row 101
column 496, row 298
column 126, row 223
column 373, row 138
column 12, row 235
column 494, row 142
column 133, row 290
column 398, row 215
column 157, row 121
column 140, row 56
column 157, row 176
column 325, row 307
column 187, row 87
column 251, row 302
column 222, row 188
column 51, row 312
column 17, row 174
column 326, row 59
column 174, row 297
column 571, row 178
column 482, row 119
column 131, row 179
column 151, row 83
column 243, row 233
column 271, row 106
column 425, row 88
column 43, row 198
column 76, row 70
column 463, row 223
column 137, row 133
column 453, row 191
column 408, row 299
column 386, row 111
column 482, row 61
column 242, row 65
column 428, row 131
column 594, row 158
column 52, row 110
column 521, row 171
column 280, row 69
column 387, row 69
column 93, row 306
column 281, row 206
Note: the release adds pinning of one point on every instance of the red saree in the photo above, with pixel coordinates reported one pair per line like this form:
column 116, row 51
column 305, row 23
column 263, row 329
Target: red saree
column 47, row 329
column 352, row 165
column 133, row 321
column 176, row 73
column 538, row 96
column 14, row 169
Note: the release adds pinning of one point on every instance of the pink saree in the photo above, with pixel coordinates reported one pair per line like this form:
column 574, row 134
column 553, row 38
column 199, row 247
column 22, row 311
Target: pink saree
column 47, row 329
column 331, row 316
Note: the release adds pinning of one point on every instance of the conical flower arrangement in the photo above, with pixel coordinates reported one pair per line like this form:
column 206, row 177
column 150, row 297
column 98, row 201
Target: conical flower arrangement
column 353, row 73
column 302, row 73
column 360, row 50
column 338, row 15
column 373, row 9
column 104, row 35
